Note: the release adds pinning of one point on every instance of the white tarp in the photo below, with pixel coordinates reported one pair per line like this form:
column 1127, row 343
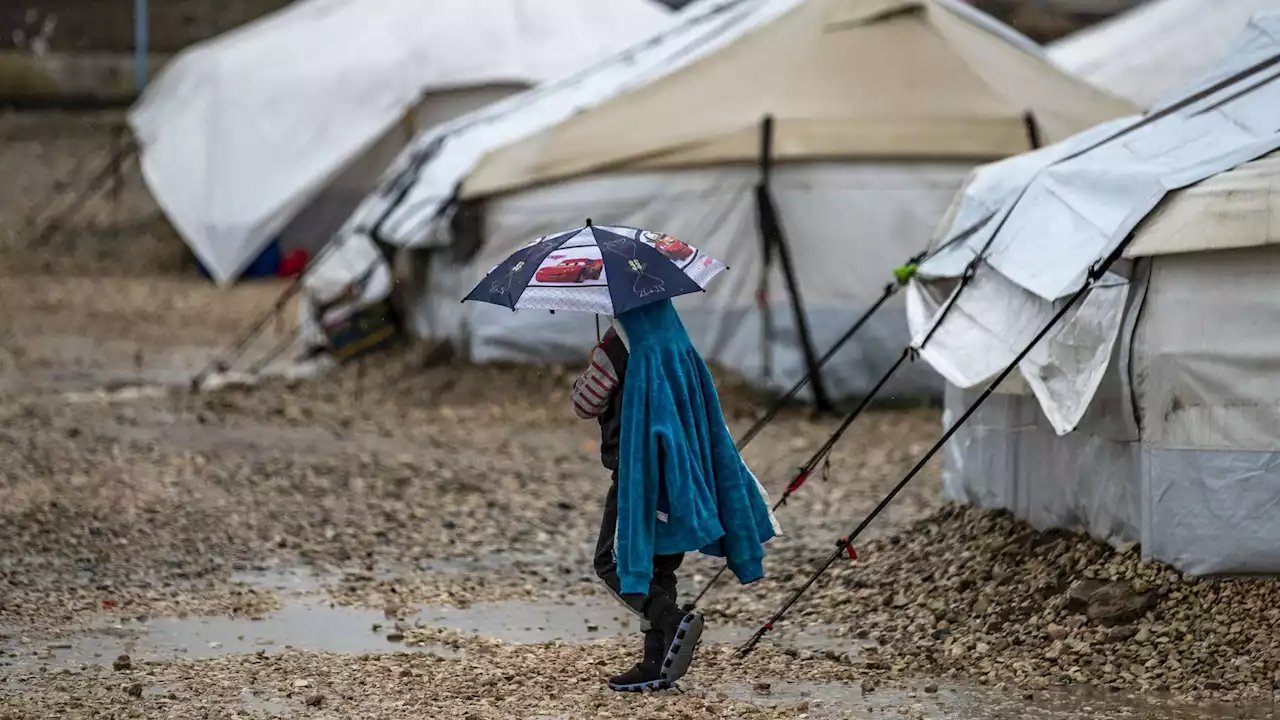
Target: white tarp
column 238, row 133
column 1053, row 215
column 1157, row 47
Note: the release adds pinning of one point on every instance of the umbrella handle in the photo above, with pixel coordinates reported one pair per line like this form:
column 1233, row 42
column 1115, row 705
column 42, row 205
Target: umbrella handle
column 598, row 337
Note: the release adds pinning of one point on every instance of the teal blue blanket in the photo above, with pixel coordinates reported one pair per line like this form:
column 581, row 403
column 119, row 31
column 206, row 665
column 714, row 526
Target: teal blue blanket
column 682, row 486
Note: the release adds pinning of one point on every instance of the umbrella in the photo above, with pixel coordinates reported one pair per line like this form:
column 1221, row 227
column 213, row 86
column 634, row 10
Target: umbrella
column 600, row 269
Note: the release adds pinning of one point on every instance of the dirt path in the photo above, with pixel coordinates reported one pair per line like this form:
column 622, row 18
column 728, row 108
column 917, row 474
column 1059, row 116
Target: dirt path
column 395, row 542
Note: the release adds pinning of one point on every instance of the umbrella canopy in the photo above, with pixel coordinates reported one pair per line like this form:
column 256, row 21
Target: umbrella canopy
column 598, row 269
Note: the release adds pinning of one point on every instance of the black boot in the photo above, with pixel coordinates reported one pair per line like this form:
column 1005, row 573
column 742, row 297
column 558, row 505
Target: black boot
column 647, row 675
column 681, row 631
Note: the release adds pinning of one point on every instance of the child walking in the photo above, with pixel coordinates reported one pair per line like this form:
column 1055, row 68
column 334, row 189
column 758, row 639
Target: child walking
column 678, row 483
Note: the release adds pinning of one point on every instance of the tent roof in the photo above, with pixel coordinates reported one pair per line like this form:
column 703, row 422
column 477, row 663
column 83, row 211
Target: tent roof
column 1239, row 208
column 239, row 131
column 842, row 78
column 1157, row 47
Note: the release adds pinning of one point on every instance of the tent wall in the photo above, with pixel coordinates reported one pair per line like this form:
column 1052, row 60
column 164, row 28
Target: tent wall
column 317, row 222
column 848, row 226
column 1201, row 488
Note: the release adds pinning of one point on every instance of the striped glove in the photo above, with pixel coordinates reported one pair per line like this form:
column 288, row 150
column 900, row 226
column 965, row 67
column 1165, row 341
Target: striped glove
column 592, row 389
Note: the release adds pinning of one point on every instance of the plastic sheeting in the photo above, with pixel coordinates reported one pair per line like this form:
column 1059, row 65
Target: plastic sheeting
column 326, row 283
column 847, row 224
column 992, row 320
column 239, row 133
column 1045, row 219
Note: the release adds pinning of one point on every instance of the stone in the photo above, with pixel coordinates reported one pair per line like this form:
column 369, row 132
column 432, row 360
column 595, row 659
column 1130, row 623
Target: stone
column 1109, row 603
column 1122, row 633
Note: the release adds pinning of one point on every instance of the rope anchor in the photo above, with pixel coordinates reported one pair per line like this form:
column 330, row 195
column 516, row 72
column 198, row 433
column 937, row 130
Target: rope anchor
column 846, row 543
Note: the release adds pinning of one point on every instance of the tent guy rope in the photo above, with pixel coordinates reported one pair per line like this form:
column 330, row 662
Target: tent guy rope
column 966, row 277
column 845, row 544
column 902, row 275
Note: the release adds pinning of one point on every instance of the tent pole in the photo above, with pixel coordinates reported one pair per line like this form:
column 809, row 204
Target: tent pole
column 772, row 233
column 766, row 266
column 1033, row 130
column 845, row 544
column 140, row 44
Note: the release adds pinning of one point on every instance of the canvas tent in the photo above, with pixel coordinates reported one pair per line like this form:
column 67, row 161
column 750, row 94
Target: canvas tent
column 282, row 126
column 1157, row 47
column 881, row 108
column 1152, row 412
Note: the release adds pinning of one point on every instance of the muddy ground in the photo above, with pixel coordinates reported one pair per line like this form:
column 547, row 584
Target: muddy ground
column 387, row 540
column 390, row 540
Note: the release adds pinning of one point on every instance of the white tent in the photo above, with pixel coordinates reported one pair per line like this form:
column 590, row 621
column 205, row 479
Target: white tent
column 1152, row 412
column 1157, row 47
column 881, row 108
column 241, row 134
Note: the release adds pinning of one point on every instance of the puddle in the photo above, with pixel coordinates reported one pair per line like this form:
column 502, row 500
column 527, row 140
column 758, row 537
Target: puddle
column 309, row 623
column 309, row 626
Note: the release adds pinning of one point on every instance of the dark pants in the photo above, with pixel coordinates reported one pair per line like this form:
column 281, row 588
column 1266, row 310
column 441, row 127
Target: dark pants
column 662, row 589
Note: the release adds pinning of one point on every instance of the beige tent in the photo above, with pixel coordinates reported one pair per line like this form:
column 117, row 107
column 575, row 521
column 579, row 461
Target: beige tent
column 844, row 78
column 881, row 107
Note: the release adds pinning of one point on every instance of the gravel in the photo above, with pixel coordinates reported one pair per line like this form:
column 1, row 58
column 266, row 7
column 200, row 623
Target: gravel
column 490, row 681
column 451, row 485
column 975, row 594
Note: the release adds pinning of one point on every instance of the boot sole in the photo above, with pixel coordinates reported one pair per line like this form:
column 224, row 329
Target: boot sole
column 680, row 653
column 641, row 686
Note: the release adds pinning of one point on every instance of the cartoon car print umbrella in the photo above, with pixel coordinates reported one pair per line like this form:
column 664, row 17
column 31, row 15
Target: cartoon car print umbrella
column 600, row 269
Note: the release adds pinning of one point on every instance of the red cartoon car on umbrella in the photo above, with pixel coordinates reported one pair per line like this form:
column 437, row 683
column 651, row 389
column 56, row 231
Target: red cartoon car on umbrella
column 573, row 270
column 669, row 246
